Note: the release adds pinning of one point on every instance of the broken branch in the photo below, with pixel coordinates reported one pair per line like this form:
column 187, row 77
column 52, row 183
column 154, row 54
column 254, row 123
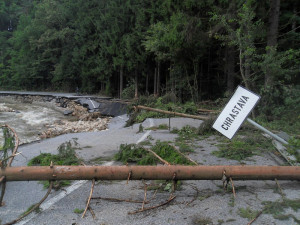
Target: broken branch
column 33, row 208
column 89, row 199
column 157, row 156
column 153, row 207
column 119, row 200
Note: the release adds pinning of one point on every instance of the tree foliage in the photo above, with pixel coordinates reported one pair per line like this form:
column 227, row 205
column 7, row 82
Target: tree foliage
column 95, row 45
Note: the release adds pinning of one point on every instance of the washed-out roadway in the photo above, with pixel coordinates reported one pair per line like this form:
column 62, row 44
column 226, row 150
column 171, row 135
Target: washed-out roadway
column 196, row 202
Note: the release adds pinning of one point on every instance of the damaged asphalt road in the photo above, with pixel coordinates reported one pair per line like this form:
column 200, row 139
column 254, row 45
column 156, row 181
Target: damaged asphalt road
column 195, row 202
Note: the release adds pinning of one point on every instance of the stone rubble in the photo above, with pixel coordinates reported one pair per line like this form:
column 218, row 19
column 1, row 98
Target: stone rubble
column 83, row 120
column 4, row 108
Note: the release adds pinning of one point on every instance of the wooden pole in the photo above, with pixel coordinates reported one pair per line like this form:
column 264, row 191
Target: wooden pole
column 172, row 113
column 151, row 172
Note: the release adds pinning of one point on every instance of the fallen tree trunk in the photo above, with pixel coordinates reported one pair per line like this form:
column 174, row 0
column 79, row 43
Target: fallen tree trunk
column 151, row 173
column 172, row 113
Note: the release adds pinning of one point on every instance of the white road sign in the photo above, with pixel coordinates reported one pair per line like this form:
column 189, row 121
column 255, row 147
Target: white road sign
column 235, row 112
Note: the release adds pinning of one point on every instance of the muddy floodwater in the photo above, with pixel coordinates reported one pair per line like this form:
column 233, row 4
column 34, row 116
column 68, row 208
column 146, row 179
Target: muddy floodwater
column 28, row 120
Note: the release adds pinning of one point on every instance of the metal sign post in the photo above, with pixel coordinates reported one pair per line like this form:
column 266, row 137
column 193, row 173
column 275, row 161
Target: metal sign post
column 236, row 111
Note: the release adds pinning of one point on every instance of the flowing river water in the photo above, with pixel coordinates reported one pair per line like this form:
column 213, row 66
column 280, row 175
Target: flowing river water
column 28, row 120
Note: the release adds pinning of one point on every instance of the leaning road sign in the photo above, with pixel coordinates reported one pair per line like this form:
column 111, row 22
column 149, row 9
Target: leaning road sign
column 235, row 112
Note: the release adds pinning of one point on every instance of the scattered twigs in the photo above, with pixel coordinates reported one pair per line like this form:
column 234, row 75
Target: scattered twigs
column 10, row 158
column 154, row 207
column 16, row 138
column 92, row 212
column 145, row 195
column 174, row 183
column 89, row 199
column 258, row 214
column 281, row 192
column 157, row 156
column 224, row 180
column 34, row 207
column 3, row 184
column 128, row 178
column 80, row 160
column 154, row 195
column 195, row 197
column 119, row 200
column 232, row 184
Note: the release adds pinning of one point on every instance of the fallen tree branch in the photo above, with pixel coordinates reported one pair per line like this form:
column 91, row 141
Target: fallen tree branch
column 196, row 196
column 157, row 156
column 119, row 200
column 145, row 195
column 16, row 143
column 232, row 184
column 258, row 214
column 92, row 212
column 11, row 158
column 33, row 208
column 89, row 199
column 194, row 162
column 153, row 207
column 281, row 192
column 2, row 192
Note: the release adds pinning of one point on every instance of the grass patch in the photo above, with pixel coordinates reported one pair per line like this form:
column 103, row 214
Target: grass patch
column 88, row 146
column 159, row 127
column 231, row 201
column 294, row 148
column 202, row 221
column 187, row 133
column 78, row 211
column 137, row 154
column 101, row 159
column 145, row 143
column 204, row 196
column 277, row 208
column 247, row 213
column 66, row 156
column 236, row 150
column 56, row 185
column 183, row 147
column 248, row 143
column 205, row 127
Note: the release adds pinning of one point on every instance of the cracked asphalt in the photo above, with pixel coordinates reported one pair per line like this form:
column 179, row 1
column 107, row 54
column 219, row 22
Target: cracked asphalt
column 196, row 202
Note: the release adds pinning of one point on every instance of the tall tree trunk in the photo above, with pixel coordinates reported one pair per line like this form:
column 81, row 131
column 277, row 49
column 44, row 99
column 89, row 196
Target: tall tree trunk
column 155, row 85
column 243, row 71
column 172, row 78
column 229, row 68
column 158, row 79
column 147, row 84
column 136, row 84
column 121, row 82
column 272, row 35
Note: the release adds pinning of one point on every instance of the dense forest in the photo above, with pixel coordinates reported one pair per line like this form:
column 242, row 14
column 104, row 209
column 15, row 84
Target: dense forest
column 196, row 50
